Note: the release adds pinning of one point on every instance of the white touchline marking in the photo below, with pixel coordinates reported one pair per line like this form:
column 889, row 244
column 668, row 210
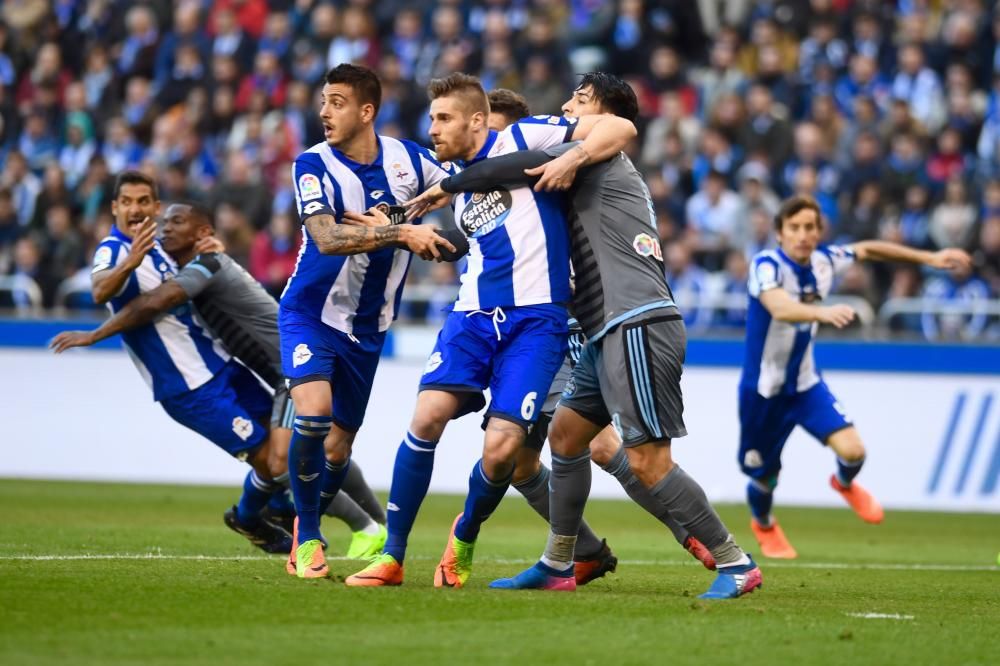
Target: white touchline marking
column 874, row 566
column 880, row 616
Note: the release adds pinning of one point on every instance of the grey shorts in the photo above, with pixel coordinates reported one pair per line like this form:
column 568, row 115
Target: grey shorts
column 631, row 378
column 283, row 410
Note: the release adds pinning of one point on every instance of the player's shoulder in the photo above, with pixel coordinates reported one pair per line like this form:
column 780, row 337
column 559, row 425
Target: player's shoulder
column 208, row 262
column 312, row 155
column 545, row 119
column 766, row 257
column 107, row 252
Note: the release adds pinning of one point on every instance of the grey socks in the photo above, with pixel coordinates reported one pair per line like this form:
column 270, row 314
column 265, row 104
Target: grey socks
column 355, row 485
column 619, row 468
column 570, row 485
column 536, row 492
column 687, row 503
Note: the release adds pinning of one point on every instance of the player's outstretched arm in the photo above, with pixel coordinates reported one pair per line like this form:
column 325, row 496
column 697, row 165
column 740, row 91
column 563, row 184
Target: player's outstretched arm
column 105, row 284
column 603, row 137
column 876, row 250
column 140, row 310
column 783, row 307
column 375, row 230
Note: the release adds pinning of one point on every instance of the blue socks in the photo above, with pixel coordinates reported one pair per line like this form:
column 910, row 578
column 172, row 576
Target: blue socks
column 411, row 476
column 760, row 497
column 306, row 461
column 846, row 471
column 280, row 503
column 257, row 491
column 332, row 480
column 483, row 499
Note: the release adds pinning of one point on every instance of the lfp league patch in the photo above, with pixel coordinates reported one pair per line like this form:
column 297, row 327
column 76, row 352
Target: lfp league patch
column 309, row 187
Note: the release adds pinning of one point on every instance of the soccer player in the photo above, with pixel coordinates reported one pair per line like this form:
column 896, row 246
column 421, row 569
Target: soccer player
column 244, row 317
column 345, row 290
column 191, row 374
column 629, row 371
column 781, row 386
column 592, row 557
column 508, row 327
column 506, row 108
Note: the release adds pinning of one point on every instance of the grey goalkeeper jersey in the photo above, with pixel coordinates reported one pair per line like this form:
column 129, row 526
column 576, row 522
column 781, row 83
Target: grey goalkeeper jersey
column 617, row 260
column 238, row 310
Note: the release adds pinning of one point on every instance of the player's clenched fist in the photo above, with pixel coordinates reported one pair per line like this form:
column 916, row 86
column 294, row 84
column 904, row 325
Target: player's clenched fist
column 838, row 316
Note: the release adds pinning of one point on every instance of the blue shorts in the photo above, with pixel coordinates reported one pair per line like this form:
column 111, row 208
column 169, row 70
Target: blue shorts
column 232, row 410
column 518, row 368
column 311, row 351
column 766, row 423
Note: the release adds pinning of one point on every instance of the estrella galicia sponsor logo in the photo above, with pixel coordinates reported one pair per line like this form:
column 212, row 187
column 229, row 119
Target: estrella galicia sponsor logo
column 485, row 212
column 967, row 464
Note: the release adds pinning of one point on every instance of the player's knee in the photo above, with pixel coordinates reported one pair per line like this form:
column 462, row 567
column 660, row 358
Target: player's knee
column 604, row 447
column 526, row 465
column 650, row 462
column 847, row 445
column 338, row 445
column 313, row 399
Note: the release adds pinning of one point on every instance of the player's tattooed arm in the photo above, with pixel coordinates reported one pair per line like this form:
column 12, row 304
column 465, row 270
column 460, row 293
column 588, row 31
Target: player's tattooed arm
column 140, row 310
column 365, row 235
column 333, row 238
column 105, row 284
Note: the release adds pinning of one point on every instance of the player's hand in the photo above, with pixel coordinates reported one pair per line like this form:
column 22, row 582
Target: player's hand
column 424, row 241
column 143, row 240
column 425, row 202
column 837, row 316
column 950, row 259
column 373, row 218
column 69, row 339
column 558, row 174
column 209, row 244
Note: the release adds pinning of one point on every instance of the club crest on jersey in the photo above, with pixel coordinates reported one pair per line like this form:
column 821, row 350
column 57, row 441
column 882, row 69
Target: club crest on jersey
column 485, row 212
column 401, row 173
column 647, row 246
column 301, row 355
column 242, row 427
column 433, row 363
column 309, row 187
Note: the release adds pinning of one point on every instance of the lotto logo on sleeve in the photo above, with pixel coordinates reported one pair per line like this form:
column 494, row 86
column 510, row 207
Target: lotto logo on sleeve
column 309, row 187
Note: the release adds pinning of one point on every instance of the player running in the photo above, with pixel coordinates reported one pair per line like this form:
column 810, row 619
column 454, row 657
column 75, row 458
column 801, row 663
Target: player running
column 781, row 386
column 192, row 376
column 508, row 327
column 592, row 557
column 244, row 317
column 345, row 290
column 629, row 371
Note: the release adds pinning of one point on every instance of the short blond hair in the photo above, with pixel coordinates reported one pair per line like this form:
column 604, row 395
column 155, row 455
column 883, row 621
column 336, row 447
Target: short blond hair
column 468, row 89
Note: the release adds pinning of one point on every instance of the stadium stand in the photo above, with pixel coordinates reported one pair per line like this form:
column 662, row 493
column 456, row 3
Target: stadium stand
column 887, row 112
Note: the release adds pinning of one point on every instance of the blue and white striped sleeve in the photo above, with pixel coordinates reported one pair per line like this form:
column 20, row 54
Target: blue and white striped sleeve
column 840, row 256
column 108, row 254
column 765, row 274
column 314, row 190
column 541, row 132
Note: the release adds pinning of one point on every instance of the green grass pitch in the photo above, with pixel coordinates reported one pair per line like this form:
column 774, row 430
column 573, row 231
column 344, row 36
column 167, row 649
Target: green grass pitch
column 131, row 574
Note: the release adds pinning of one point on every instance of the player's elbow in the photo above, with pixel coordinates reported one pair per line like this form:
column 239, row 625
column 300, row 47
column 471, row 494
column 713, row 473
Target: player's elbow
column 99, row 295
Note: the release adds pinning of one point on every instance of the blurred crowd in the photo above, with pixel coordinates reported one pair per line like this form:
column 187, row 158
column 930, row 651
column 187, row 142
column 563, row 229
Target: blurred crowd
column 887, row 112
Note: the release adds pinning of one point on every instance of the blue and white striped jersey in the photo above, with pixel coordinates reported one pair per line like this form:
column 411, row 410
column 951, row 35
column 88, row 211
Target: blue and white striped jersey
column 357, row 293
column 779, row 355
column 173, row 353
column 518, row 238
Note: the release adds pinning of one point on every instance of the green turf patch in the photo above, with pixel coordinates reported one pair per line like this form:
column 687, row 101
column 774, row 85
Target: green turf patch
column 122, row 574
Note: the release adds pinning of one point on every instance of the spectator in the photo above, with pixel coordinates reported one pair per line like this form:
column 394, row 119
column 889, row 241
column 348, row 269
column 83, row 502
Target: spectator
column 755, row 190
column 822, row 46
column 407, row 40
column 64, row 247
column 274, row 253
column 952, row 222
column 913, row 224
column 689, row 284
column 670, row 118
column 987, row 257
column 230, row 39
column 10, row 229
column 23, row 185
column 138, row 52
column 951, row 306
column 241, row 190
column 865, row 215
column 121, row 151
column 268, row 78
column 98, row 76
column 723, row 76
column 863, row 166
column 356, row 42
column 543, row 92
column 905, row 167
column 948, row 161
column 234, row 230
column 716, row 154
column 765, row 130
column 187, row 73
column 54, row 192
column 920, row 87
column 713, row 219
column 863, row 78
column 809, row 151
column 734, row 292
column 28, row 269
column 47, row 72
column 38, row 144
column 74, row 158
